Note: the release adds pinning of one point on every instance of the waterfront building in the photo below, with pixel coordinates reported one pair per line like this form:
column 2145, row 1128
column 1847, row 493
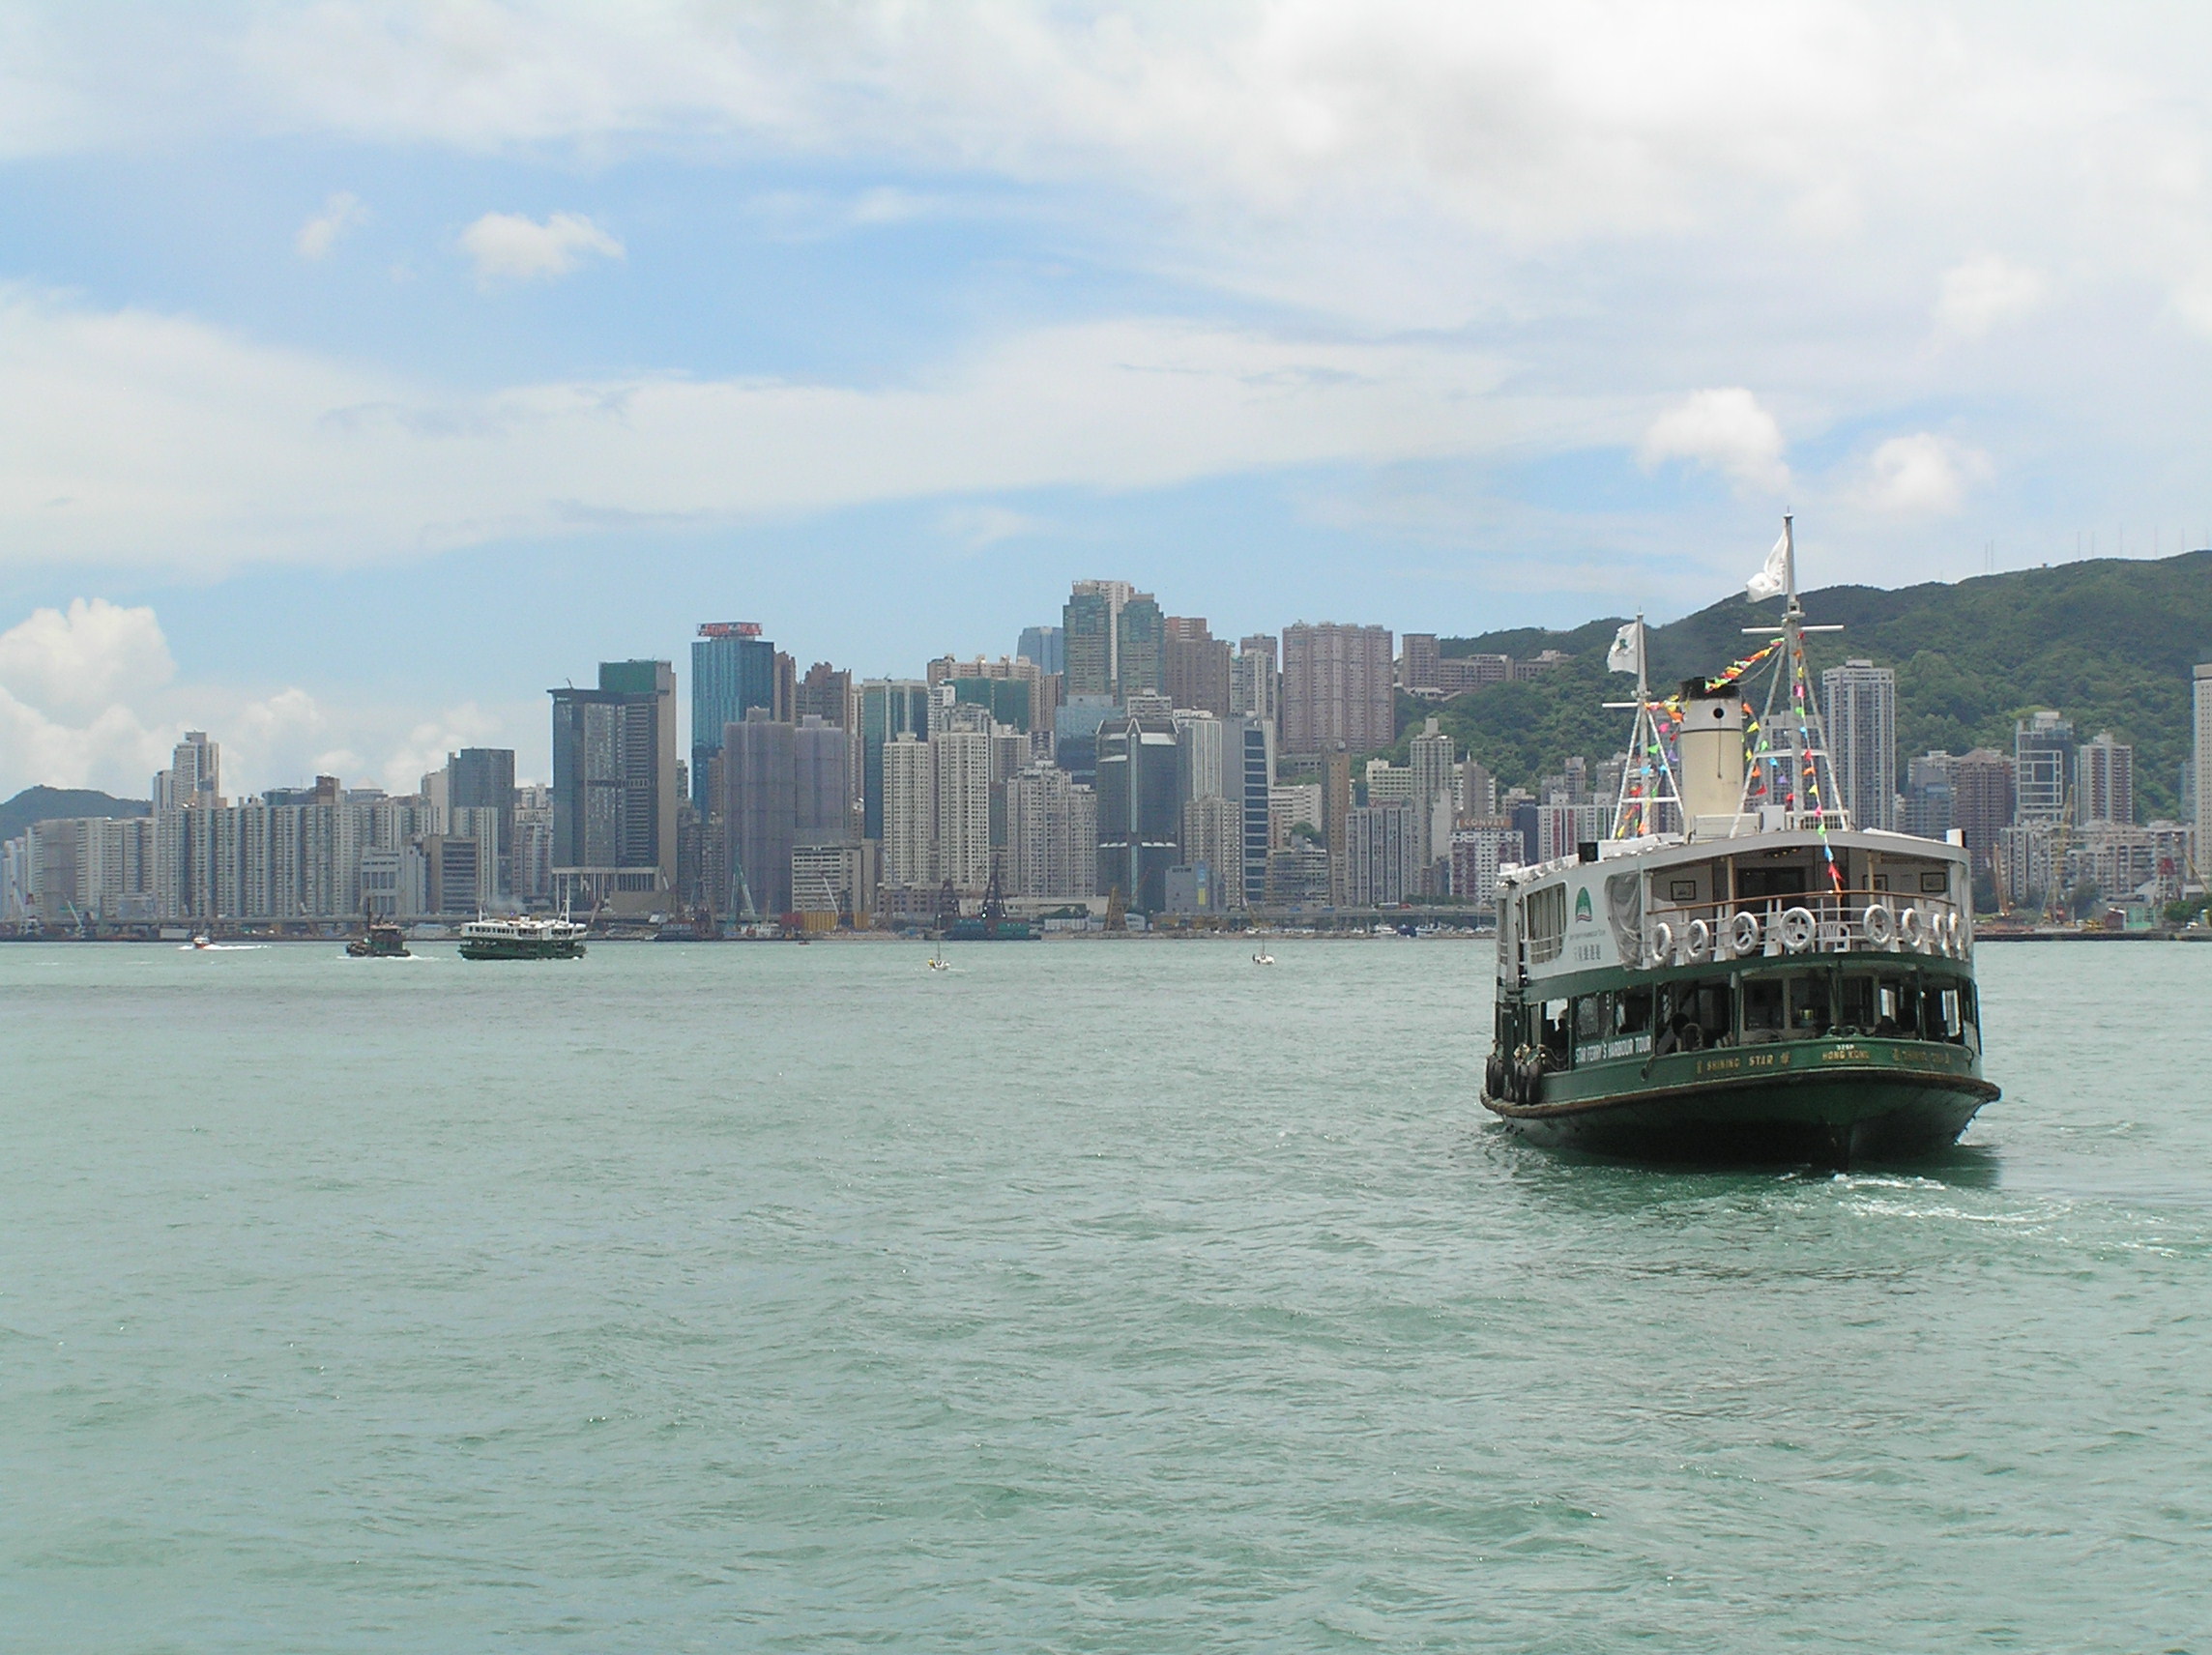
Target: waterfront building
column 1089, row 635
column 909, row 807
column 533, row 844
column 2024, row 862
column 963, row 781
column 1214, row 837
column 1139, row 808
column 834, row 877
column 1862, row 740
column 483, row 779
column 1298, row 876
column 1052, row 835
column 785, row 787
column 885, row 709
column 1198, row 667
column 614, row 788
column 2199, row 793
column 1338, row 689
column 1202, row 763
column 1479, row 849
column 733, row 671
column 1252, row 776
column 1382, row 851
column 1046, row 646
column 1335, row 801
column 2043, row 767
column 2105, row 780
column 1981, row 802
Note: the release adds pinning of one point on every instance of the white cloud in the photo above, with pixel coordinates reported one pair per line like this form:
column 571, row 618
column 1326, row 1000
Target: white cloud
column 67, row 681
column 506, row 246
column 342, row 213
column 1921, row 476
column 1725, row 429
column 1985, row 293
column 142, row 440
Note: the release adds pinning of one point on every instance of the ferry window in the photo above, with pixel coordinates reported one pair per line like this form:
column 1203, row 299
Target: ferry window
column 1935, row 883
column 1897, row 1008
column 1692, row 1016
column 1762, row 1008
column 1555, row 1034
column 1856, row 1012
column 1809, row 1005
column 1632, row 1011
column 1752, row 882
column 1590, row 1017
column 1547, row 923
column 1944, row 1019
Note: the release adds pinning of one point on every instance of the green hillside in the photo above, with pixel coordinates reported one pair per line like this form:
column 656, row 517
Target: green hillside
column 49, row 804
column 2109, row 644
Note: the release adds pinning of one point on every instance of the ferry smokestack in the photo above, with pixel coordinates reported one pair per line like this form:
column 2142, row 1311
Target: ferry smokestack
column 1712, row 758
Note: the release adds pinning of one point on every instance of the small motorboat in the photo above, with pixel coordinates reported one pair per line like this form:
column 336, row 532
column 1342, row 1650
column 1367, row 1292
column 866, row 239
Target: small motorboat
column 1263, row 958
column 200, row 940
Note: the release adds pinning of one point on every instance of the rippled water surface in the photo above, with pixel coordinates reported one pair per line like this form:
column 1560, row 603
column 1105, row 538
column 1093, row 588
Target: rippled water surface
column 1114, row 1296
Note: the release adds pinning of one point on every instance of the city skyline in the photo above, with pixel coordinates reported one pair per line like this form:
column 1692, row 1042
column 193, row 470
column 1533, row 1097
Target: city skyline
column 370, row 363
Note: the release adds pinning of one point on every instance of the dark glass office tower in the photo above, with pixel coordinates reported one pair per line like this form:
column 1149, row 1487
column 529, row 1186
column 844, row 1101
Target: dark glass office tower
column 733, row 671
column 483, row 779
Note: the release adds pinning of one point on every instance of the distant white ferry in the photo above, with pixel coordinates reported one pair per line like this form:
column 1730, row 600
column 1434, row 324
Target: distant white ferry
column 522, row 937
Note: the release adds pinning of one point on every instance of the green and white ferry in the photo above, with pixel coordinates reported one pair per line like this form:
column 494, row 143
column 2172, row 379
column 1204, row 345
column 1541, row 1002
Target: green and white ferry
column 1738, row 973
column 522, row 937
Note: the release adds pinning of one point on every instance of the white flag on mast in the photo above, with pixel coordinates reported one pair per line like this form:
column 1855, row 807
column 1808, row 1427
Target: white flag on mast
column 1773, row 580
column 1627, row 651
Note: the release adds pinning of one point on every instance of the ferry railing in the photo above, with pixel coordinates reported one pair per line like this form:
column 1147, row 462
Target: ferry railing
column 1809, row 923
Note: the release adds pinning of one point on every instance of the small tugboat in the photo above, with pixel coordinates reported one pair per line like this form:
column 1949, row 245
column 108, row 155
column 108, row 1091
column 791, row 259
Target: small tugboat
column 1738, row 975
column 522, row 937
column 379, row 940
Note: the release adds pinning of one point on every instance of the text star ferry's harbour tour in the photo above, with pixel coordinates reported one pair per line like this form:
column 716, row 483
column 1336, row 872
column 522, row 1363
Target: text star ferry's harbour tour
column 1738, row 973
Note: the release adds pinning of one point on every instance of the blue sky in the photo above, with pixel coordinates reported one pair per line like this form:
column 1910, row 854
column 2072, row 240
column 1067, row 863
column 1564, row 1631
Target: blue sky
column 372, row 368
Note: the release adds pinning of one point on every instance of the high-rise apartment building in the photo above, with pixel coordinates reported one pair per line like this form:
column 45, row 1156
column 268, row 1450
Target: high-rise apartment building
column 1381, row 855
column 909, row 812
column 1418, row 661
column 759, row 806
column 1198, row 666
column 885, row 709
column 1981, row 801
column 1214, row 837
column 1140, row 649
column 1045, row 646
column 1089, row 635
column 2043, row 767
column 1139, row 808
column 1012, row 689
column 1255, row 687
column 2105, row 780
column 2201, row 755
column 194, row 779
column 1477, row 792
column 1339, row 690
column 1861, row 704
column 734, row 670
column 1336, row 805
column 1928, row 811
column 1052, row 836
column 483, row 779
column 826, row 693
column 614, row 788
column 963, row 779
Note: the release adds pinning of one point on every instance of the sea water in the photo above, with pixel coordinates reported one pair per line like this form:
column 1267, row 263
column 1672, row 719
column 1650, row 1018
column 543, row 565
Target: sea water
column 1087, row 1297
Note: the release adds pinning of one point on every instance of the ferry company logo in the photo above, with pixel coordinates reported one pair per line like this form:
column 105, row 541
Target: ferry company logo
column 1582, row 906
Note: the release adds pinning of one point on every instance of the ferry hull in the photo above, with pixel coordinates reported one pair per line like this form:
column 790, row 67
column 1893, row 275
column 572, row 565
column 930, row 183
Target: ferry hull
column 476, row 949
column 1843, row 1116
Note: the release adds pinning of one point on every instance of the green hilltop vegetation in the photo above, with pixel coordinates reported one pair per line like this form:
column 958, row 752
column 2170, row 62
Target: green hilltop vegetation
column 2108, row 643
column 52, row 803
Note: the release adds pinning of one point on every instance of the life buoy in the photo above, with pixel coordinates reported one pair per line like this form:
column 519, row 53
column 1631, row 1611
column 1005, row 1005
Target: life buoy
column 1696, row 941
column 1955, row 935
column 1913, row 930
column 1661, row 944
column 1880, row 925
column 1744, row 933
column 1797, row 929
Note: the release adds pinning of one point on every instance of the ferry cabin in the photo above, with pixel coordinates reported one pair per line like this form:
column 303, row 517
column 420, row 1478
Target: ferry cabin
column 1688, row 969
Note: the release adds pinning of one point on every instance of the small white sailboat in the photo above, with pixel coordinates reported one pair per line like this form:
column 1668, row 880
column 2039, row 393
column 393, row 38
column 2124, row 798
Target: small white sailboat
column 1263, row 958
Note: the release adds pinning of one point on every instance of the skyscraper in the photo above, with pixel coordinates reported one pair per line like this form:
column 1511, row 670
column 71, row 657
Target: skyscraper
column 2105, row 780
column 1140, row 649
column 614, row 788
column 909, row 807
column 887, row 709
column 1255, row 689
column 1139, row 808
column 2201, row 754
column 1981, row 801
column 483, row 779
column 733, row 671
column 1338, row 689
column 826, row 692
column 1418, row 665
column 1198, row 666
column 1089, row 632
column 963, row 783
column 759, row 808
column 194, row 779
column 1052, row 835
column 1045, row 646
column 2043, row 767
column 1862, row 740
column 1929, row 810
